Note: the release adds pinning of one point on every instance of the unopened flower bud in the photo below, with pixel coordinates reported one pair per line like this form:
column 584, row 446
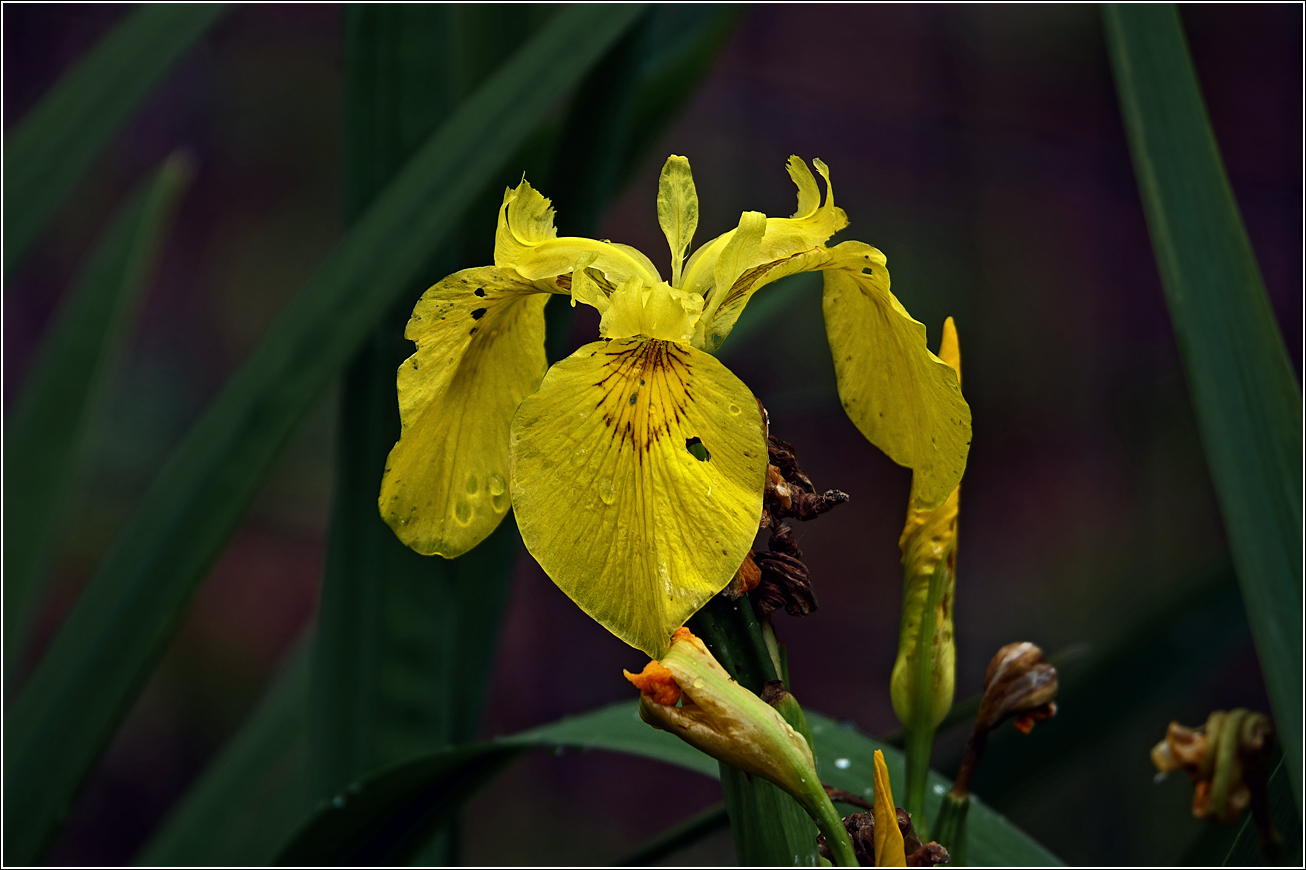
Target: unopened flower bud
column 689, row 694
column 722, row 718
column 922, row 691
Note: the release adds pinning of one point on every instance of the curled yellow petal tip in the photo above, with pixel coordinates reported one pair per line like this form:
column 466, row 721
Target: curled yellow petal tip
column 890, row 850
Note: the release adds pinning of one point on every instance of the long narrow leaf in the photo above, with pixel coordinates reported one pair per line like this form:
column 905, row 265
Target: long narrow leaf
column 52, row 146
column 238, row 814
column 121, row 623
column 369, row 819
column 1248, row 403
column 50, row 418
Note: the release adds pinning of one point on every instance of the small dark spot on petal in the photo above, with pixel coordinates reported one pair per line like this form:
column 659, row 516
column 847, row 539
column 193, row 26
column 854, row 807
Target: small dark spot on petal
column 480, row 291
column 632, row 400
column 478, row 314
column 473, row 331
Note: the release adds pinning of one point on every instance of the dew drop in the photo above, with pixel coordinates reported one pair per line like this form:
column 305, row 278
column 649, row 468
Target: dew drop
column 733, row 409
column 939, row 789
column 498, row 486
column 605, row 491
column 842, row 763
column 698, row 682
column 462, row 512
column 472, row 484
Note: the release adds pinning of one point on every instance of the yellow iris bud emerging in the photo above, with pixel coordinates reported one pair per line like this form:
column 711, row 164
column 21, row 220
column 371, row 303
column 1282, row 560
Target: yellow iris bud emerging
column 922, row 691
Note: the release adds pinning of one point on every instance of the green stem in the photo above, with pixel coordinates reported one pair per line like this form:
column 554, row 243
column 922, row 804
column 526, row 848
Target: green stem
column 950, row 827
column 822, row 811
column 919, row 744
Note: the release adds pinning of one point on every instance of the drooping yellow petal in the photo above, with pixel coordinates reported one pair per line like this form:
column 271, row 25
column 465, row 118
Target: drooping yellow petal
column 904, row 399
column 610, row 500
column 677, row 210
column 527, row 242
column 889, row 848
column 480, row 351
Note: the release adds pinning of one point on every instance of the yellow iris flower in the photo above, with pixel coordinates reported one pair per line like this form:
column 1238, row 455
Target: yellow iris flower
column 635, row 467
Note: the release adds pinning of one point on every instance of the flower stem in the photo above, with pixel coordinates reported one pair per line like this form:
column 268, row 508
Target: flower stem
column 918, row 743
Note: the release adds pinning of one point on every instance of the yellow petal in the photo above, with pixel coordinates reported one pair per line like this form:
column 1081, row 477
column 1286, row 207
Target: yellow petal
column 904, row 399
column 526, row 241
column 677, row 210
column 610, row 500
column 480, row 351
column 889, row 848
column 786, row 246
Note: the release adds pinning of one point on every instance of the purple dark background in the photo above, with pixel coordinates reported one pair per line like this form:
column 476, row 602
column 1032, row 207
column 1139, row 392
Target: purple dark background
column 980, row 147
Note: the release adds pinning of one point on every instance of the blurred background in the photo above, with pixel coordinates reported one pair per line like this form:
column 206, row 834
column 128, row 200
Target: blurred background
column 981, row 148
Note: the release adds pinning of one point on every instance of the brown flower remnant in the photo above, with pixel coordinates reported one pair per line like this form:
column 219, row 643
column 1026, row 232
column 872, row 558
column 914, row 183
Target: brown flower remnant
column 1226, row 760
column 861, row 830
column 1019, row 684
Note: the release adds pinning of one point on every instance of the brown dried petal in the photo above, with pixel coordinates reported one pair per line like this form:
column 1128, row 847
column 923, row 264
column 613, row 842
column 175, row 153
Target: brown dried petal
column 928, row 856
column 745, row 579
column 785, row 582
column 785, row 459
column 861, row 830
column 1017, row 682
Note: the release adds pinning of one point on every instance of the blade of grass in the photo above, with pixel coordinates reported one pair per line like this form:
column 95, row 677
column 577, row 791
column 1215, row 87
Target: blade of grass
column 122, row 621
column 1246, row 850
column 47, row 152
column 238, row 813
column 373, row 816
column 1248, row 403
column 48, row 425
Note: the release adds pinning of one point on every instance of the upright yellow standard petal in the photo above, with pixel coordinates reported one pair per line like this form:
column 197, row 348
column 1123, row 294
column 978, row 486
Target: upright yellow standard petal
column 904, row 399
column 611, row 502
column 728, row 270
column 480, row 351
column 889, row 848
column 677, row 210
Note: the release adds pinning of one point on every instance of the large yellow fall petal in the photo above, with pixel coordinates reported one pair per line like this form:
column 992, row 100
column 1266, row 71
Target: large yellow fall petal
column 610, row 500
column 904, row 399
column 480, row 351
column 527, row 242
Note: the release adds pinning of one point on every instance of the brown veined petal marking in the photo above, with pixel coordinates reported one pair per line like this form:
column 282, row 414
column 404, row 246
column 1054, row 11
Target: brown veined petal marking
column 637, row 476
column 480, row 350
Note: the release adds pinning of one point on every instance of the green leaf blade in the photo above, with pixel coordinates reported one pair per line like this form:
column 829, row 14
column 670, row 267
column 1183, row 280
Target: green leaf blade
column 120, row 625
column 404, row 792
column 50, row 149
column 48, row 425
column 1247, row 400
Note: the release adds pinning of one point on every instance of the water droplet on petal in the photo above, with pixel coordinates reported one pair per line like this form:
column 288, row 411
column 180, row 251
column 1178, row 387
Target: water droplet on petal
column 497, row 484
column 605, row 491
column 842, row 763
column 462, row 512
column 472, row 484
column 698, row 682
column 733, row 409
